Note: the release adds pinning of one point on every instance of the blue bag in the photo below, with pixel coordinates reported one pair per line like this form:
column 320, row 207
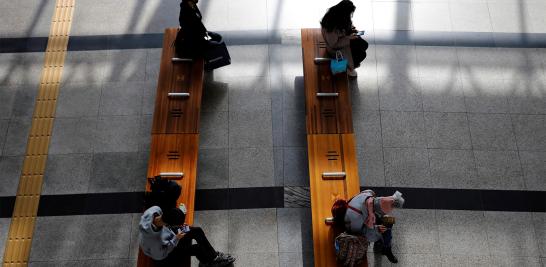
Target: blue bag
column 339, row 64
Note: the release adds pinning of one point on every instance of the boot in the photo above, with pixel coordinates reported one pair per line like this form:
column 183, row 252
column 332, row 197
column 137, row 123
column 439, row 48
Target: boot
column 388, row 252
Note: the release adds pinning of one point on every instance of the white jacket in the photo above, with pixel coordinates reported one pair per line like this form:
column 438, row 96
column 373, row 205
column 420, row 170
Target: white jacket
column 155, row 244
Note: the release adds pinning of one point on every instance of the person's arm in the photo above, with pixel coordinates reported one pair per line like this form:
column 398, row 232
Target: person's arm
column 147, row 218
column 372, row 234
column 170, row 242
column 337, row 39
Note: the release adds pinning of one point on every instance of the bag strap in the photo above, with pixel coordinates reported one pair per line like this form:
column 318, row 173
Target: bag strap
column 355, row 209
column 339, row 55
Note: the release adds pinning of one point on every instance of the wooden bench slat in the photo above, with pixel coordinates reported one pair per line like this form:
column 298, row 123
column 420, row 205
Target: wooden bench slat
column 177, row 153
column 333, row 168
column 177, row 114
column 329, row 153
column 324, row 115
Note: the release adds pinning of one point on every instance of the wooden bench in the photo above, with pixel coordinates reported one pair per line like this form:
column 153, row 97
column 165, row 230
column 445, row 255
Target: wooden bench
column 175, row 130
column 333, row 168
column 327, row 97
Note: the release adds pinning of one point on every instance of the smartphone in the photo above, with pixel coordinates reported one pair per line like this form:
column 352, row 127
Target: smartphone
column 360, row 33
column 185, row 228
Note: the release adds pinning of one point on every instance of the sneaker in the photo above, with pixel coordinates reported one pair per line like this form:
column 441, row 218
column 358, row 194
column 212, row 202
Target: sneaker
column 220, row 261
column 222, row 257
column 352, row 73
column 388, row 252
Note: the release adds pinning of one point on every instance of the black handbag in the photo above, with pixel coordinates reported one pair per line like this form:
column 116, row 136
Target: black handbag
column 216, row 55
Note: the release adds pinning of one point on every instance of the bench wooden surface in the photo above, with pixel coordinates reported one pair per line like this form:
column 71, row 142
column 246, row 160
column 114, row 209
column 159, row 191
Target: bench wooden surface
column 176, row 153
column 177, row 114
column 329, row 153
column 175, row 130
column 333, row 167
column 325, row 114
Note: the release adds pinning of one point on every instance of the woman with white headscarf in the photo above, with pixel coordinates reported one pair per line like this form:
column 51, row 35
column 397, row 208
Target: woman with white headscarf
column 367, row 215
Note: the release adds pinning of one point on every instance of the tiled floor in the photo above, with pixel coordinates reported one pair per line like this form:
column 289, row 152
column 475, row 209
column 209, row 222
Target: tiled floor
column 446, row 116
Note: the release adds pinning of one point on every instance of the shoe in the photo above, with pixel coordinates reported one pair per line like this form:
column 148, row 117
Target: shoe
column 352, row 73
column 222, row 257
column 220, row 261
column 388, row 252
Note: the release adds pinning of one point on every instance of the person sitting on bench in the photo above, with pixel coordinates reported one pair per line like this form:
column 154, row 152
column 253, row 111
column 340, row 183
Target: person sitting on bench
column 194, row 39
column 340, row 35
column 164, row 237
column 367, row 215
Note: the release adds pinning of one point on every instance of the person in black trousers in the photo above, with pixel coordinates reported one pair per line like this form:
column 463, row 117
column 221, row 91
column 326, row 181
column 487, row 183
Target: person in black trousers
column 193, row 39
column 164, row 237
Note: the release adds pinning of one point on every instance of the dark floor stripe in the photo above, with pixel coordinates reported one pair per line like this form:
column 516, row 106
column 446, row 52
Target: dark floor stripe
column 23, row 45
column 274, row 197
column 468, row 199
column 154, row 40
column 81, row 204
column 6, row 206
column 239, row 198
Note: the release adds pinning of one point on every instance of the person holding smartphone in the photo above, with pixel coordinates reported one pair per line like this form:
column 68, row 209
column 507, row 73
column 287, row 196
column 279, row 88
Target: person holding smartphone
column 368, row 215
column 340, row 35
column 194, row 39
column 165, row 238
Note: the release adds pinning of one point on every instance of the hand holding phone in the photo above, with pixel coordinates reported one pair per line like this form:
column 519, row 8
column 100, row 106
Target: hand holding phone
column 179, row 234
column 185, row 228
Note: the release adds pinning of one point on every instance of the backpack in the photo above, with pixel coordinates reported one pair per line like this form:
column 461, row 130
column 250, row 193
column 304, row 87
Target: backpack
column 350, row 249
column 163, row 193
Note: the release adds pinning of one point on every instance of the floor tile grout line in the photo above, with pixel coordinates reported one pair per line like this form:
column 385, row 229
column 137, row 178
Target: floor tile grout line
column 517, row 151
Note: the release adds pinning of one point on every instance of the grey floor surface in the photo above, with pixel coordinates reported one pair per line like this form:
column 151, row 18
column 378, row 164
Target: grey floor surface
column 425, row 116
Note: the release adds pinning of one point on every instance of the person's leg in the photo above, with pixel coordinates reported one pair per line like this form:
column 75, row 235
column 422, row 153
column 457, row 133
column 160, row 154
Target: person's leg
column 387, row 246
column 178, row 254
column 358, row 50
column 387, row 238
column 203, row 250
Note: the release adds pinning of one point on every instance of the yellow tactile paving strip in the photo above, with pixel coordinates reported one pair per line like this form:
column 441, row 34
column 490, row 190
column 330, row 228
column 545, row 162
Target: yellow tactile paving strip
column 21, row 229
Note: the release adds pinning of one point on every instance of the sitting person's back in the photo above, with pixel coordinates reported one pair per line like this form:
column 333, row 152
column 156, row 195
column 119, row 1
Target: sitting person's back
column 368, row 216
column 156, row 242
column 191, row 42
column 339, row 34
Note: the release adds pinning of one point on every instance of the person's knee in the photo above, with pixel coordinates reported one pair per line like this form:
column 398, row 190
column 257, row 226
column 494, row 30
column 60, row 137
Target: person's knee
column 197, row 230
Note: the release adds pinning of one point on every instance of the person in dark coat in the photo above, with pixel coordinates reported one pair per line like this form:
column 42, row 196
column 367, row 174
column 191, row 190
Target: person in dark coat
column 193, row 39
column 340, row 35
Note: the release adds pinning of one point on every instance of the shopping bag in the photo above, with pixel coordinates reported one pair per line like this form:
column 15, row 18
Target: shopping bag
column 339, row 64
column 217, row 56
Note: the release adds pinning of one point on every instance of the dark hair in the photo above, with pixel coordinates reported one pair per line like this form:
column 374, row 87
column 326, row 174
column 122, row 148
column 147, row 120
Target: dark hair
column 338, row 212
column 338, row 17
column 163, row 193
column 173, row 216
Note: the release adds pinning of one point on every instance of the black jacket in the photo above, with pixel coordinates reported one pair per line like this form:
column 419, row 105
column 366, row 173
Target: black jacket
column 191, row 38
